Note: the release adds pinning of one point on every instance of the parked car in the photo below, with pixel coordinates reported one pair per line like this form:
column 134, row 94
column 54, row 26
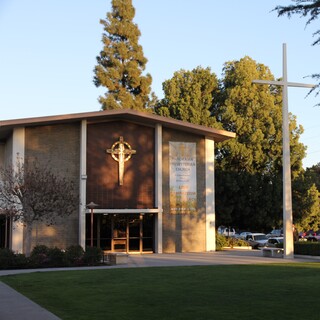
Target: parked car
column 274, row 242
column 275, row 233
column 256, row 240
column 314, row 236
column 302, row 236
column 243, row 234
column 228, row 232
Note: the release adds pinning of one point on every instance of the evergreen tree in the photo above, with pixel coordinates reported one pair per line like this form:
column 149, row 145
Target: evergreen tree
column 121, row 62
column 305, row 8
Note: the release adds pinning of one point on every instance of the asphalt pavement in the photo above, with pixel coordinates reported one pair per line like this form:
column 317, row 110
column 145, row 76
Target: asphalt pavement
column 15, row 306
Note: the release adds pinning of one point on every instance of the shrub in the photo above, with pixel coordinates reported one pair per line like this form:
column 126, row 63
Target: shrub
column 307, row 248
column 92, row 256
column 21, row 261
column 56, row 257
column 42, row 257
column 10, row 260
column 7, row 257
column 235, row 242
column 74, row 255
column 221, row 241
column 39, row 257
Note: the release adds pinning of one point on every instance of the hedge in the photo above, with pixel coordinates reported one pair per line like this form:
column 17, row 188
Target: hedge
column 307, row 248
column 45, row 257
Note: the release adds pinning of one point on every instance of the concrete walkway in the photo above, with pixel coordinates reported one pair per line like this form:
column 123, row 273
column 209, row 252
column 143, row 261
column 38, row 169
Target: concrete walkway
column 14, row 306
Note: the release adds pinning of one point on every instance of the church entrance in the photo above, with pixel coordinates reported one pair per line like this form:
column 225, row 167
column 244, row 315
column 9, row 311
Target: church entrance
column 130, row 233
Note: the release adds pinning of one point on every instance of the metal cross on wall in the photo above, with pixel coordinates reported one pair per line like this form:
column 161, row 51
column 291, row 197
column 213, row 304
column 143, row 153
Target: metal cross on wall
column 287, row 196
column 121, row 151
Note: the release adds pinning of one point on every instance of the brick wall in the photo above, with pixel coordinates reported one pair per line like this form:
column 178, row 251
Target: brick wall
column 103, row 186
column 58, row 145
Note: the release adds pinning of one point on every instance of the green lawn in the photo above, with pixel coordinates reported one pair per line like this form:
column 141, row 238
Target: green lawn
column 279, row 291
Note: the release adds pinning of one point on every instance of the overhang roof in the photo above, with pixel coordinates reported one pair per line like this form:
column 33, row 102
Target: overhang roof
column 6, row 126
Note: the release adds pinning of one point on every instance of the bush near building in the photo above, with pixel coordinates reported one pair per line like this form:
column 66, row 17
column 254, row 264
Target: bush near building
column 307, row 248
column 45, row 257
column 223, row 241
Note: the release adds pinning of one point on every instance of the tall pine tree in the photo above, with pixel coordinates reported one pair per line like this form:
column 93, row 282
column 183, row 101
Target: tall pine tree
column 121, row 62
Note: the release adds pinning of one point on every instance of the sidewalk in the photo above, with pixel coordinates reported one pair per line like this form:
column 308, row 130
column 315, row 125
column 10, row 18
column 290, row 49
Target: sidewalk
column 14, row 306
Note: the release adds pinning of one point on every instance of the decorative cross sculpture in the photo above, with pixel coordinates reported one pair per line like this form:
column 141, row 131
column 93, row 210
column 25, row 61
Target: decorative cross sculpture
column 287, row 196
column 121, row 151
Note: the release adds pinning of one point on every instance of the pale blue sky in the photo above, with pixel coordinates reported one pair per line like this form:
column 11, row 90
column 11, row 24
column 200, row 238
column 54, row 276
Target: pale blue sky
column 48, row 50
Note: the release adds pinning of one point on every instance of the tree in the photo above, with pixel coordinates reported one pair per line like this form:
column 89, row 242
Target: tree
column 254, row 158
column 249, row 167
column 254, row 112
column 32, row 192
column 306, row 202
column 189, row 96
column 121, row 62
column 305, row 8
column 306, row 199
column 313, row 175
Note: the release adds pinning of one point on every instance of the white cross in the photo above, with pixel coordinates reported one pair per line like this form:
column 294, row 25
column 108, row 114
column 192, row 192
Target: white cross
column 287, row 197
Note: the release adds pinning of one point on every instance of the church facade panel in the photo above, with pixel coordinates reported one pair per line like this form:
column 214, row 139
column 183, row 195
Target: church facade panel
column 184, row 232
column 57, row 146
column 103, row 186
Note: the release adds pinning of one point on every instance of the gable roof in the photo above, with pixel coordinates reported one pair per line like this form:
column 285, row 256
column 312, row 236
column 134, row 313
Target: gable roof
column 7, row 126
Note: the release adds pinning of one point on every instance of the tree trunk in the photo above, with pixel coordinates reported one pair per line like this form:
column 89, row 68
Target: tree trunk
column 28, row 239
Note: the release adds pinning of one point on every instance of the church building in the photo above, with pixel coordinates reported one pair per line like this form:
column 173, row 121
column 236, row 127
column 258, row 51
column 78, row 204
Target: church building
column 145, row 182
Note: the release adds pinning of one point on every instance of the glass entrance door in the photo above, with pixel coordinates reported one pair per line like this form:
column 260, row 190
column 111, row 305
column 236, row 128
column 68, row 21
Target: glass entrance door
column 135, row 233
column 132, row 233
column 122, row 232
column 119, row 240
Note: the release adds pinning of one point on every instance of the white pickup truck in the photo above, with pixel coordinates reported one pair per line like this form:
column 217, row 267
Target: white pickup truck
column 228, row 232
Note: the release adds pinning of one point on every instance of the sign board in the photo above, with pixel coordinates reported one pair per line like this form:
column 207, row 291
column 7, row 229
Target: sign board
column 183, row 177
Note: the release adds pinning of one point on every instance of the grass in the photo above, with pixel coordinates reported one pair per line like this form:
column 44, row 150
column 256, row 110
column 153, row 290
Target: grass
column 279, row 291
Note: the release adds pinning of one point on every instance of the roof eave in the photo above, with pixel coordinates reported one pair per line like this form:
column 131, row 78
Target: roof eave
column 124, row 114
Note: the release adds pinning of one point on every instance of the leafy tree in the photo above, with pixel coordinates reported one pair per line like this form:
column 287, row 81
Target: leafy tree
column 313, row 175
column 306, row 199
column 34, row 193
column 121, row 62
column 307, row 217
column 305, row 8
column 253, row 160
column 254, row 112
column 249, row 167
column 189, row 96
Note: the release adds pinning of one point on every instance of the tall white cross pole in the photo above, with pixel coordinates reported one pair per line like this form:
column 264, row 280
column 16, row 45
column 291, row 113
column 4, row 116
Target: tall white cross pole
column 287, row 198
